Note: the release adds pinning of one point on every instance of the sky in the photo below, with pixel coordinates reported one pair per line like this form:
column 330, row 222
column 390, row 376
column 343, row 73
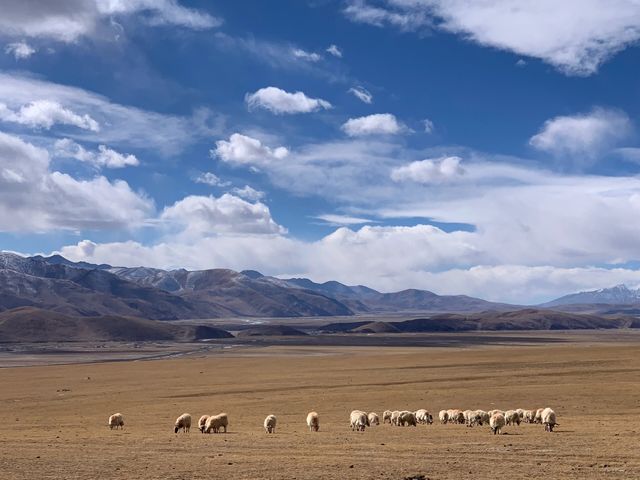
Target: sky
column 487, row 148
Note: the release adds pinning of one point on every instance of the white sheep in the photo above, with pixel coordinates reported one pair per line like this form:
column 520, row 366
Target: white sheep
column 407, row 418
column 217, row 422
column 394, row 417
column 386, row 416
column 116, row 420
column 443, row 416
column 358, row 420
column 493, row 412
column 469, row 417
column 183, row 422
column 202, row 422
column 549, row 419
column 424, row 417
column 529, row 416
column 497, row 422
column 482, row 417
column 512, row 417
column 373, row 419
column 456, row 416
column 538, row 416
column 313, row 422
column 520, row 413
column 270, row 424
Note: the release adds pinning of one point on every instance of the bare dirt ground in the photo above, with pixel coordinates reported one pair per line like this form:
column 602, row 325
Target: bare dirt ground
column 55, row 416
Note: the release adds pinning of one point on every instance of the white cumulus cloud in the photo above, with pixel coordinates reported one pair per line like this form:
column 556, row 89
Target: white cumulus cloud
column 244, row 150
column 280, row 101
column 427, row 171
column 376, row 124
column 197, row 215
column 46, row 114
column 586, row 134
column 33, row 198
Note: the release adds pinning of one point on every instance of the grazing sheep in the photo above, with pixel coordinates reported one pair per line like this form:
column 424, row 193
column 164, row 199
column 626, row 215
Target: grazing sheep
column 469, row 417
column 456, row 416
column 549, row 419
column 493, row 412
column 512, row 417
column 482, row 417
column 496, row 422
column 270, row 424
column 529, row 416
column 394, row 417
column 443, row 416
column 373, row 419
column 313, row 422
column 358, row 420
column 183, row 422
column 520, row 413
column 202, row 422
column 407, row 418
column 386, row 416
column 538, row 416
column 423, row 416
column 116, row 420
column 216, row 422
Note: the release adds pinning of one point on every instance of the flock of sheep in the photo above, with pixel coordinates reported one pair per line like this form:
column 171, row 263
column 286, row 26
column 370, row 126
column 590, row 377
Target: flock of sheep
column 497, row 419
column 359, row 419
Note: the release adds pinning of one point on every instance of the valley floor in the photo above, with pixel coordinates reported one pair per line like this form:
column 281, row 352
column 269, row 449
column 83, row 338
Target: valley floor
column 55, row 416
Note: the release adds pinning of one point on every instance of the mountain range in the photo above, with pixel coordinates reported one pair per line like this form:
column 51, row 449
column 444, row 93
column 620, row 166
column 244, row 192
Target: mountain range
column 620, row 295
column 81, row 289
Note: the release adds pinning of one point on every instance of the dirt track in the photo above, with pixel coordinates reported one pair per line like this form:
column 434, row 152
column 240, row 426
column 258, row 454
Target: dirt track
column 57, row 415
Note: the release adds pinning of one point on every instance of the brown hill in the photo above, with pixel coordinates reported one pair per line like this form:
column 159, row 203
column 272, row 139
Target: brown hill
column 270, row 331
column 528, row 319
column 28, row 324
column 376, row 327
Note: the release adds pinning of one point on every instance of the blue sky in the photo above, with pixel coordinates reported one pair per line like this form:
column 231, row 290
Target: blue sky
column 486, row 148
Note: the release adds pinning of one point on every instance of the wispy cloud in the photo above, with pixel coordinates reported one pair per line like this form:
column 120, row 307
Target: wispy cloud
column 103, row 157
column 38, row 103
column 361, row 94
column 20, row 50
column 70, row 20
column 339, row 220
column 304, row 55
column 334, row 50
column 211, row 179
column 579, row 35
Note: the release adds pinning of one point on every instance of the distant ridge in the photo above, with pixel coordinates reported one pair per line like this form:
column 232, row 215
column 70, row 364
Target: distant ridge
column 527, row 319
column 618, row 295
column 85, row 289
column 27, row 324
